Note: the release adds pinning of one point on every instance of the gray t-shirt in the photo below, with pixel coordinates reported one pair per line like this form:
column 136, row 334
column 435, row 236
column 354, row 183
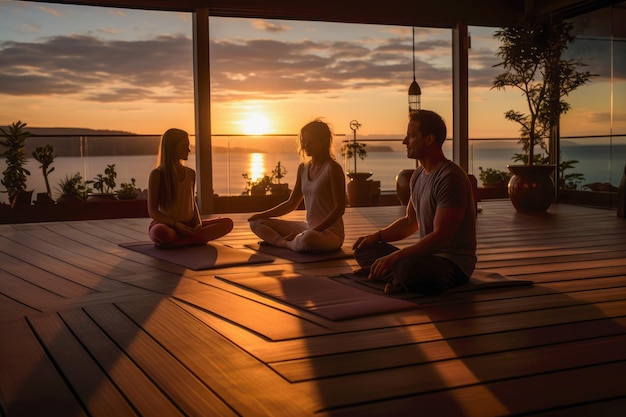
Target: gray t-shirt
column 447, row 186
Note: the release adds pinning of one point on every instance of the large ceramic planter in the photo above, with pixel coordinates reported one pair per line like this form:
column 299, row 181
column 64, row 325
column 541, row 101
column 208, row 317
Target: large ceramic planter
column 359, row 189
column 531, row 188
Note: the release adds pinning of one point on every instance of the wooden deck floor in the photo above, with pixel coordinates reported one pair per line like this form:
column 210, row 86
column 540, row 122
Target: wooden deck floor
column 90, row 328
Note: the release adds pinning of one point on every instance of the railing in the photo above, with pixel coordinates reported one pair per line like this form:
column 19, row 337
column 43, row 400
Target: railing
column 601, row 158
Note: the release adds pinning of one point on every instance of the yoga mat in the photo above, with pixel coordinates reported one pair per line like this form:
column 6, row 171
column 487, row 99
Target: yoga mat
column 301, row 257
column 480, row 280
column 320, row 295
column 199, row 257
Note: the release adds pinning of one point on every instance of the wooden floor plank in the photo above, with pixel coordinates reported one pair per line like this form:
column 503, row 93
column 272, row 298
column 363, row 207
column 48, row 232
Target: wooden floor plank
column 308, row 368
column 96, row 329
column 438, row 376
column 40, row 278
column 390, row 336
column 95, row 390
column 249, row 387
column 145, row 397
column 34, row 387
column 191, row 395
column 513, row 397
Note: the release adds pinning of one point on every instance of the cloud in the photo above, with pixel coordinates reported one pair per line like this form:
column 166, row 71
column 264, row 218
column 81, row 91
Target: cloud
column 268, row 26
column 160, row 69
column 91, row 68
column 48, row 10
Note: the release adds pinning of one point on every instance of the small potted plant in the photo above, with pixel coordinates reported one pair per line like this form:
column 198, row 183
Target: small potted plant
column 14, row 176
column 128, row 191
column 257, row 187
column 72, row 189
column 104, row 184
column 276, row 187
column 493, row 177
column 356, row 150
column 359, row 188
column 45, row 156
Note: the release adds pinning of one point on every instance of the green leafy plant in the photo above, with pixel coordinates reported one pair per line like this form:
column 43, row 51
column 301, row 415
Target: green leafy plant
column 45, row 156
column 572, row 180
column 278, row 172
column 492, row 176
column 128, row 191
column 531, row 55
column 354, row 149
column 105, row 183
column 14, row 176
column 256, row 186
column 73, row 187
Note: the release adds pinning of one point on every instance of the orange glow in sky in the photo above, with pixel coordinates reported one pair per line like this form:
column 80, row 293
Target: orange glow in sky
column 131, row 70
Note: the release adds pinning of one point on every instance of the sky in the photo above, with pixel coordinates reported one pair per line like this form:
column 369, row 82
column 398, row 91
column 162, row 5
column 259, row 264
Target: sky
column 131, row 70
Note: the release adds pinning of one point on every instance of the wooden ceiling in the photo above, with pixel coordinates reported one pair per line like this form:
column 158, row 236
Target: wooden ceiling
column 425, row 13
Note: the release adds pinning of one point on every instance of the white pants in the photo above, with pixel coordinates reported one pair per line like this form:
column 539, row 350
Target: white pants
column 274, row 231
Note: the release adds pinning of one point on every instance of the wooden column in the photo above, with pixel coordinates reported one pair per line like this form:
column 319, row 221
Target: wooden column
column 460, row 93
column 202, row 90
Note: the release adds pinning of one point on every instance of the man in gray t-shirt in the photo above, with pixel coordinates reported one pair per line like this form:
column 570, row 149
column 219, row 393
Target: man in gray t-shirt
column 441, row 208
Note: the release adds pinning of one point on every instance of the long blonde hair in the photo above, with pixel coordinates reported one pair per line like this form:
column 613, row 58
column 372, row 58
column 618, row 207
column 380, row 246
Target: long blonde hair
column 321, row 132
column 167, row 163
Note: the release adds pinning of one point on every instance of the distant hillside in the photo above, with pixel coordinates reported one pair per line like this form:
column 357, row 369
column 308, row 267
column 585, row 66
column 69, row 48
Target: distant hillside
column 71, row 141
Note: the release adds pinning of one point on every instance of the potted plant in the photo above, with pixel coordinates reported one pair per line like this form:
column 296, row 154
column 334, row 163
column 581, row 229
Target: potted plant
column 72, row 189
column 128, row 190
column 256, row 187
column 276, row 187
column 14, row 176
column 359, row 188
column 104, row 184
column 491, row 177
column 45, row 156
column 531, row 55
column 355, row 150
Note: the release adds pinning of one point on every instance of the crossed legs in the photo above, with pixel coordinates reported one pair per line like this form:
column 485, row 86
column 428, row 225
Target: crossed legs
column 164, row 236
column 295, row 235
column 428, row 275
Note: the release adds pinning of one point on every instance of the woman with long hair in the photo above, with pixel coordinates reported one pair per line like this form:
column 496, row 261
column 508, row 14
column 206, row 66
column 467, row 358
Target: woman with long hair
column 321, row 184
column 172, row 202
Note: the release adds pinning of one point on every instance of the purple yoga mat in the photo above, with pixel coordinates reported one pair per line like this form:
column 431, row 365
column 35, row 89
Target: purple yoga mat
column 320, row 295
column 301, row 257
column 199, row 257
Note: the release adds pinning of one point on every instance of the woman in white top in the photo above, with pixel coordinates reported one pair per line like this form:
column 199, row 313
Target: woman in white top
column 172, row 203
column 321, row 183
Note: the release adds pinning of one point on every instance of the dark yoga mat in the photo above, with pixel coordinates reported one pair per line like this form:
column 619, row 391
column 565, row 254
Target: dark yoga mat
column 199, row 257
column 301, row 257
column 480, row 280
column 320, row 295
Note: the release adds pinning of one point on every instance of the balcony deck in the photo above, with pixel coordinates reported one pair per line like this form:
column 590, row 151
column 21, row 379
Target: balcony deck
column 90, row 328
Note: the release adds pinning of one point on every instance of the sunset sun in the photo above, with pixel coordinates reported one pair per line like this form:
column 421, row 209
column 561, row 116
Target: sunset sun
column 255, row 124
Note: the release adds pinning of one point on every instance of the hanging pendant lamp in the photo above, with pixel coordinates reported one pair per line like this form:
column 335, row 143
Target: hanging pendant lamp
column 415, row 92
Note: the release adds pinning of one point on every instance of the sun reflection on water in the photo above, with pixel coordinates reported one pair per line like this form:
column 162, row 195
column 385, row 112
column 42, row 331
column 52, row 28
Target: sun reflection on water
column 256, row 166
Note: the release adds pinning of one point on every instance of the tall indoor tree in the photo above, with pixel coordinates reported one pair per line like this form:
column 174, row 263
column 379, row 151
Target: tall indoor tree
column 532, row 55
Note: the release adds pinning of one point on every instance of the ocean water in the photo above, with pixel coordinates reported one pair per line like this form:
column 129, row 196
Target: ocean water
column 598, row 163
